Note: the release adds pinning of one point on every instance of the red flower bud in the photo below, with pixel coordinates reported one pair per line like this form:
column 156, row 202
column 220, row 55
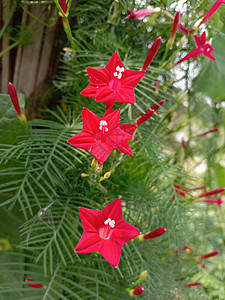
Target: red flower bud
column 139, row 290
column 209, row 255
column 175, row 26
column 154, row 233
column 62, row 4
column 156, row 106
column 193, row 284
column 209, row 131
column 35, row 285
column 148, row 114
column 151, row 54
column 15, row 101
column 213, row 192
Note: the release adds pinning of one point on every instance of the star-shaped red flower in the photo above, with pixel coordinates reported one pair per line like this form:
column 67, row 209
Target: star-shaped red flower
column 101, row 135
column 105, row 231
column 112, row 83
column 203, row 47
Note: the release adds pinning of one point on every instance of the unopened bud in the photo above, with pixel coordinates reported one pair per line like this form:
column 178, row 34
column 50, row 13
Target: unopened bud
column 83, row 175
column 94, row 163
column 143, row 275
column 151, row 54
column 139, row 290
column 107, row 175
column 15, row 102
column 193, row 284
column 36, row 285
column 209, row 255
column 154, row 233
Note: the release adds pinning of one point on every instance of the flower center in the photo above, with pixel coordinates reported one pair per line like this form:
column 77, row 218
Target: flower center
column 119, row 70
column 103, row 125
column 106, row 231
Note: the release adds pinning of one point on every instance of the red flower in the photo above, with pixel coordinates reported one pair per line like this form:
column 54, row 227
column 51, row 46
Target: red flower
column 151, row 54
column 193, row 284
column 178, row 190
column 218, row 201
column 211, row 11
column 141, row 13
column 139, row 290
column 101, row 135
column 188, row 250
column 148, row 114
column 35, row 285
column 112, row 83
column 209, row 255
column 105, row 231
column 203, row 47
column 62, row 4
column 15, row 101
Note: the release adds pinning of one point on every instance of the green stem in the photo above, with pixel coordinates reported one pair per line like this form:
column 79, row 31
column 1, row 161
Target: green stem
column 9, row 48
column 164, row 55
column 6, row 24
column 36, row 2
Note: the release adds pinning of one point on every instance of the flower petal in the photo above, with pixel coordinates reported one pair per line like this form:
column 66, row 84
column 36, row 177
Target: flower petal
column 83, row 140
column 113, row 119
column 91, row 219
column 89, row 242
column 129, row 128
column 131, row 78
column 91, row 121
column 111, row 251
column 97, row 77
column 101, row 151
column 114, row 62
column 89, row 91
column 114, row 211
column 105, row 94
column 125, row 232
column 200, row 40
column 125, row 95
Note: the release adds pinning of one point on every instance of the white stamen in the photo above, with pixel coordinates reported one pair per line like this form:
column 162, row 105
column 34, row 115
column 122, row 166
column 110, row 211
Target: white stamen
column 119, row 70
column 110, row 222
column 103, row 125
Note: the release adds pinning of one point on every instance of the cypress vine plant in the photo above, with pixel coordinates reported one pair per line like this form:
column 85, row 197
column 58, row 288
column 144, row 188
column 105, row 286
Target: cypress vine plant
column 56, row 197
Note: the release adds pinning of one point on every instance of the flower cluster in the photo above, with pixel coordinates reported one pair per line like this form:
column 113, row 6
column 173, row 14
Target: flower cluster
column 113, row 83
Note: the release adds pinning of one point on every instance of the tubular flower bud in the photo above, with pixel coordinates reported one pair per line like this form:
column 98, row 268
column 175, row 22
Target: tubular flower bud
column 209, row 131
column 62, row 4
column 151, row 54
column 35, row 285
column 15, row 101
column 193, row 284
column 139, row 290
column 148, row 114
column 155, row 233
column 141, row 13
column 211, row 11
column 214, row 253
column 174, row 29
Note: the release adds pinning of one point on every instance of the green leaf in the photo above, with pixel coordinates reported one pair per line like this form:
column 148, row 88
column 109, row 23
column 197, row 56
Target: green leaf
column 10, row 126
column 220, row 175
